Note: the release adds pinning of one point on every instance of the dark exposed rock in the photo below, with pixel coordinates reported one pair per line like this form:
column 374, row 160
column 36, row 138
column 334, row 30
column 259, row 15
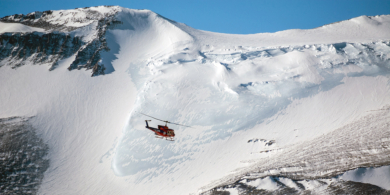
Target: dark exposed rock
column 338, row 187
column 52, row 46
column 89, row 56
column 22, row 157
column 350, row 187
column 40, row 48
column 34, row 19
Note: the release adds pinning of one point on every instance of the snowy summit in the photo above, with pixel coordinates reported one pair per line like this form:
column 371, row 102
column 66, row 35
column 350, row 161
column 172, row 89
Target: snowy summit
column 294, row 111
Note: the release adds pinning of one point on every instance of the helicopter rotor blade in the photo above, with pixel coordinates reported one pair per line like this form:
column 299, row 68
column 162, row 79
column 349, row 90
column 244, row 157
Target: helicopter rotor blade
column 152, row 117
column 179, row 124
column 164, row 121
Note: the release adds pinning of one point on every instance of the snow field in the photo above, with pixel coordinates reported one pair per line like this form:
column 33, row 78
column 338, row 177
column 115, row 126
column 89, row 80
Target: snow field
column 16, row 27
column 359, row 29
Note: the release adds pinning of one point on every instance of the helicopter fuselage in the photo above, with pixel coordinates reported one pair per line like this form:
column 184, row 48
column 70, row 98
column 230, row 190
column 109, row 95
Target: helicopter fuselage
column 162, row 131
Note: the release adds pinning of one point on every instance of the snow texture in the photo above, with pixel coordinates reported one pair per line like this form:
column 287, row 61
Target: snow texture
column 16, row 27
column 348, row 182
column 22, row 157
column 298, row 104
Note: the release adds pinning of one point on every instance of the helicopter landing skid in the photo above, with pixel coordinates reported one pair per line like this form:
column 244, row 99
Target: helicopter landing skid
column 161, row 137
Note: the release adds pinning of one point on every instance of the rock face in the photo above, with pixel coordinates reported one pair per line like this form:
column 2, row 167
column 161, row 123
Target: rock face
column 35, row 19
column 22, row 157
column 60, row 40
column 39, row 48
column 296, row 187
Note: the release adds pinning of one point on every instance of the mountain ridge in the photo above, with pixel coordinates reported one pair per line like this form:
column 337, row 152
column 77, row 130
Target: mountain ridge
column 84, row 33
column 90, row 25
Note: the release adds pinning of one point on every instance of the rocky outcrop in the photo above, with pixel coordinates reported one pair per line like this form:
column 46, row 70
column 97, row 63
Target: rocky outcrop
column 36, row 19
column 39, row 48
column 319, row 187
column 17, row 49
column 22, row 157
column 89, row 55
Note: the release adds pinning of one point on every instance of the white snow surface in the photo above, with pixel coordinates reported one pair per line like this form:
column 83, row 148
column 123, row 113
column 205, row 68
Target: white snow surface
column 290, row 86
column 377, row 176
column 358, row 29
column 16, row 27
column 264, row 183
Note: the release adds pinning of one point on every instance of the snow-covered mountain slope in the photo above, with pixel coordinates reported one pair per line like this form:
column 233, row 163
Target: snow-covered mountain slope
column 270, row 104
column 67, row 32
column 360, row 29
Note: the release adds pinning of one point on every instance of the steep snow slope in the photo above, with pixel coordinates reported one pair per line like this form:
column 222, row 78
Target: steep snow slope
column 249, row 98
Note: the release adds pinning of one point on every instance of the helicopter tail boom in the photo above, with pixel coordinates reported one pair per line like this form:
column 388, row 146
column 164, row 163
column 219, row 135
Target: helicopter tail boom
column 147, row 125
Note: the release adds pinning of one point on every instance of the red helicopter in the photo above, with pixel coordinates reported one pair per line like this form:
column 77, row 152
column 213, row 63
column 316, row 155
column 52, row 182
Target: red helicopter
column 162, row 131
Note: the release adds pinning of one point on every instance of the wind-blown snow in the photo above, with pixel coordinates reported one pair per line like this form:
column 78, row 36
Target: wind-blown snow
column 358, row 29
column 16, row 27
column 247, row 97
